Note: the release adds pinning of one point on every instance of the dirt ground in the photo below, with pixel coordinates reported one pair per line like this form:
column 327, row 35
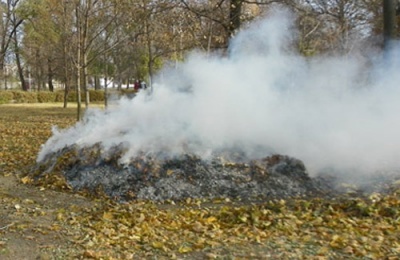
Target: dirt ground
column 27, row 220
column 30, row 228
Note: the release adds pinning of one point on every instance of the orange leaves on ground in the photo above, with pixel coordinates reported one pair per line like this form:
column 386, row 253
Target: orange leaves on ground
column 286, row 230
column 23, row 130
column 299, row 229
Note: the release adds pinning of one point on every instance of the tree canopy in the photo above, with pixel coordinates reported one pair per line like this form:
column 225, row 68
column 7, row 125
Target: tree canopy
column 76, row 42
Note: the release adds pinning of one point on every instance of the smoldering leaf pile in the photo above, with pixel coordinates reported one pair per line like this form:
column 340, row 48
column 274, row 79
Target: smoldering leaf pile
column 337, row 114
column 189, row 176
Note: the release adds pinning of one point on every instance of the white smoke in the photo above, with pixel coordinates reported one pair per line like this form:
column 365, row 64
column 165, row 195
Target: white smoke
column 262, row 98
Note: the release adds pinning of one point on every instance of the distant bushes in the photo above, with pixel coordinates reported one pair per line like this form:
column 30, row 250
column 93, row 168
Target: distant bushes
column 24, row 97
column 94, row 95
column 126, row 91
column 13, row 96
column 6, row 97
column 46, row 96
column 59, row 96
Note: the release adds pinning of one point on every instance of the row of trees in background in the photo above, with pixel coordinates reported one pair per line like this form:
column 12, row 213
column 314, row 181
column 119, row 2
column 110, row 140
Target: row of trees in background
column 77, row 42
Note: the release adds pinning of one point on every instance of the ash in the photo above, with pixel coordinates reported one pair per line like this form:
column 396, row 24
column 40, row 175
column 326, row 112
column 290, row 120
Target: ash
column 185, row 176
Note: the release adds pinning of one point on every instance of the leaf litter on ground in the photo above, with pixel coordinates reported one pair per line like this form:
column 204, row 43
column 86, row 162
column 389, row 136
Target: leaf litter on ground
column 345, row 227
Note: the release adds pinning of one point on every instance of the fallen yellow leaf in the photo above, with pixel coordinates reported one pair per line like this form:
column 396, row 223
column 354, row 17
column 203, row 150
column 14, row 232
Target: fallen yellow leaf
column 184, row 249
column 108, row 216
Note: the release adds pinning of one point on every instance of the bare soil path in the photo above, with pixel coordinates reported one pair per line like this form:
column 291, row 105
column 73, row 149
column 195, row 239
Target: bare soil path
column 28, row 228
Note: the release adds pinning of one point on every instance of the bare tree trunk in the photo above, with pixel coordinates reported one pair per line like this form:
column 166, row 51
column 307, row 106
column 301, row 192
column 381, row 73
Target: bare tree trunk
column 389, row 22
column 84, row 54
column 150, row 63
column 96, row 82
column 66, row 92
column 19, row 65
column 210, row 35
column 150, row 51
column 78, row 67
column 50, row 76
column 9, row 25
column 235, row 11
column 65, row 51
column 105, row 92
column 78, row 91
column 4, row 75
column 119, row 86
column 84, row 81
column 66, row 78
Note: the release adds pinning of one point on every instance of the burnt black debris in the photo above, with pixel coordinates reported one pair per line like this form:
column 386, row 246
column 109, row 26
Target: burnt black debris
column 158, row 178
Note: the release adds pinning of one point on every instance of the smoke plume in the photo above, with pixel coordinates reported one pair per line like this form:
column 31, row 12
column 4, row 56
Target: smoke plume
column 261, row 98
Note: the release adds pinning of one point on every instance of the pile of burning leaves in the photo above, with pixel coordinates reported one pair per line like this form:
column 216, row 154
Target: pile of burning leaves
column 185, row 176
